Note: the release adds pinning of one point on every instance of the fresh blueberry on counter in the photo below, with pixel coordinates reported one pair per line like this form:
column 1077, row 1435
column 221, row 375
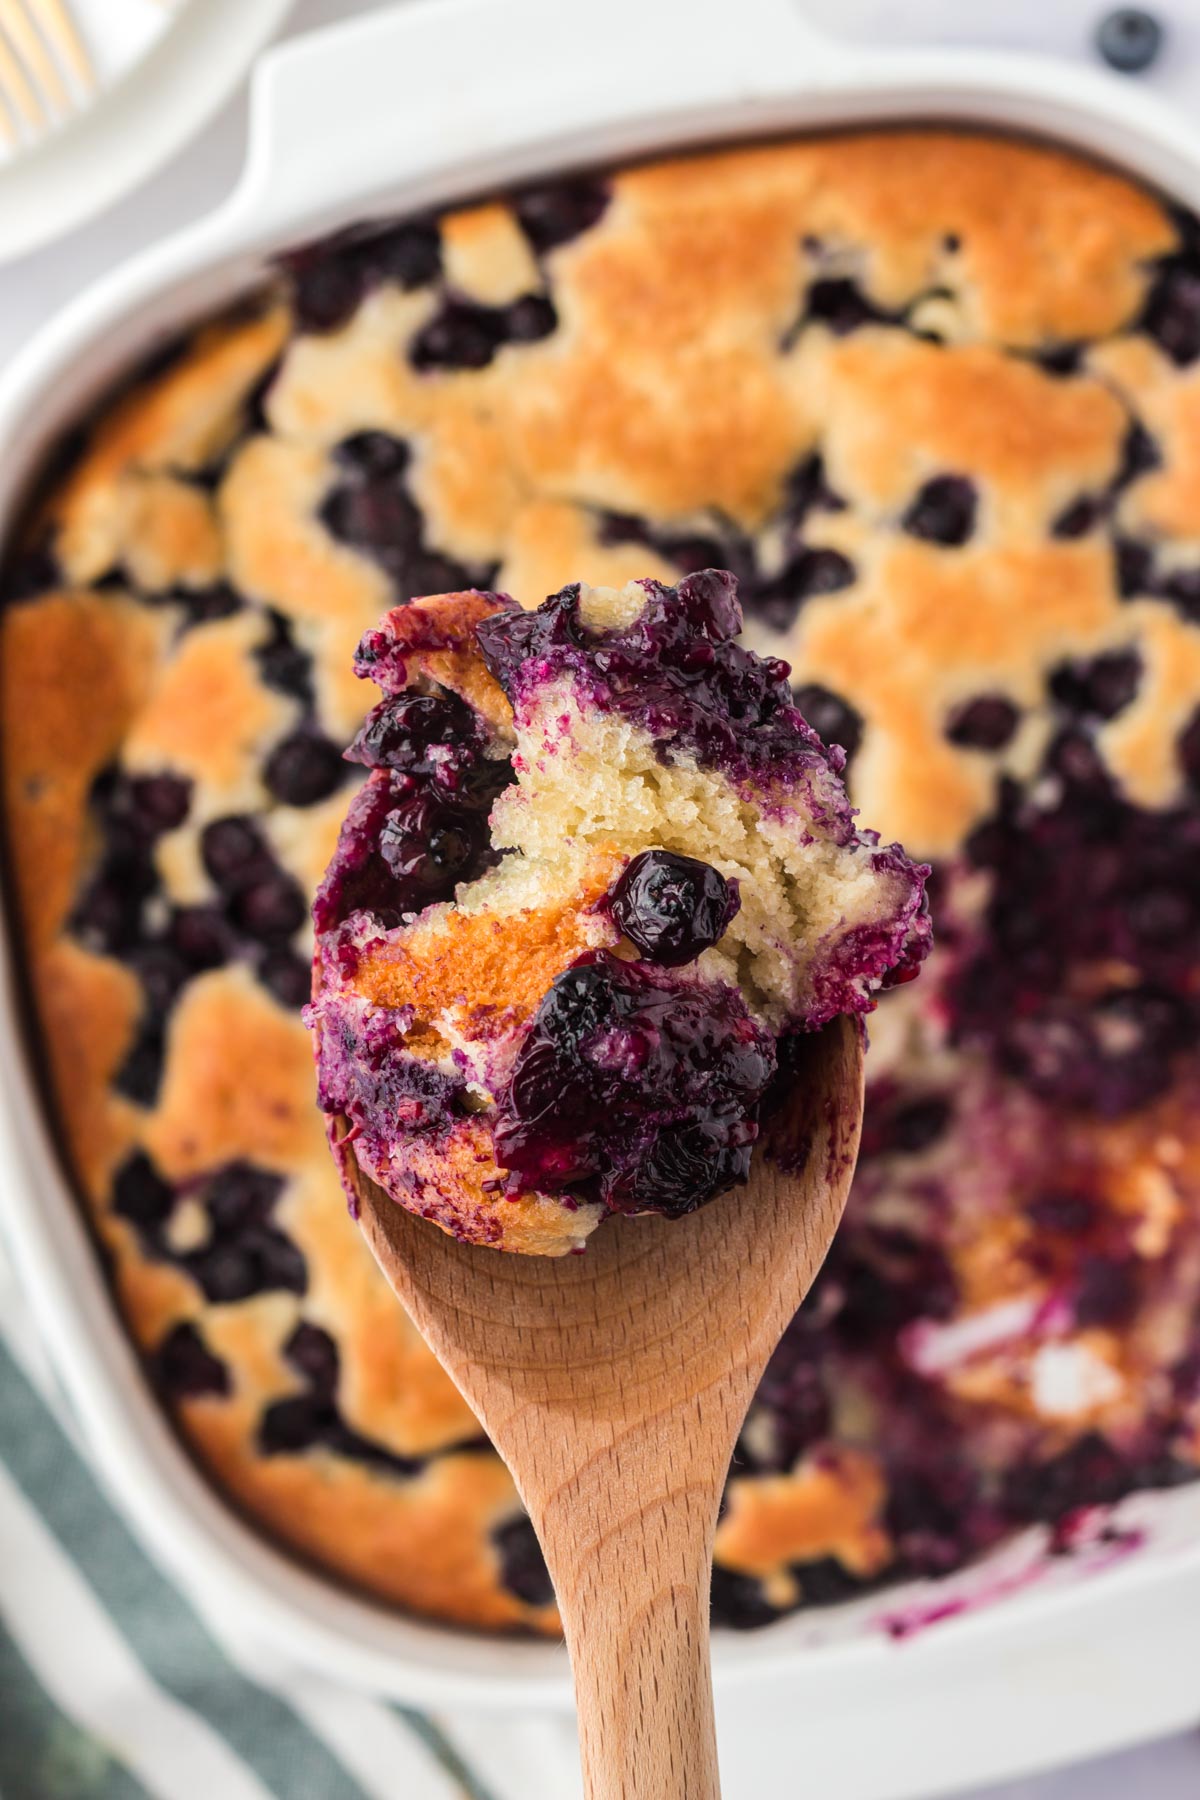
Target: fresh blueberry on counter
column 1129, row 39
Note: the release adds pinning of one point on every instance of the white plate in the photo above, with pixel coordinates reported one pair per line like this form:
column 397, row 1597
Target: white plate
column 417, row 106
column 161, row 72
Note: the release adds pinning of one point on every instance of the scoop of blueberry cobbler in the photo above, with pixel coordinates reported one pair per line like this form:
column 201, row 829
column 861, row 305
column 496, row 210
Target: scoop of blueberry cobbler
column 600, row 868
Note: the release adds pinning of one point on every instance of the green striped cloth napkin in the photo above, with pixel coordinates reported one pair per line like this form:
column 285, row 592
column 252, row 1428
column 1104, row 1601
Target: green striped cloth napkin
column 113, row 1686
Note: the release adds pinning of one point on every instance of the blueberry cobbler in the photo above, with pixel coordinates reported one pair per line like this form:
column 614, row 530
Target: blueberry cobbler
column 934, row 399
column 571, row 1009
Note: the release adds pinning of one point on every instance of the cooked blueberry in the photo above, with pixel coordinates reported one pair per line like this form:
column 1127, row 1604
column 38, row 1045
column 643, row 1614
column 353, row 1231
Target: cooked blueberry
column 522, row 1566
column 1171, row 315
column 806, row 490
column 1163, row 915
column 529, row 318
column 1111, row 1057
column 1060, row 359
column 738, row 1601
column 141, row 1195
column 203, row 605
column 246, row 1254
column 810, row 573
column 1090, row 1472
column 377, row 517
column 327, row 289
column 1134, row 567
column 841, row 305
column 159, row 802
column 833, row 719
column 673, row 907
column 1080, row 517
column 290, row 1426
column 313, row 1354
column 562, row 210
column 1129, row 39
column 793, row 1392
column 461, row 336
column 943, row 511
column 1099, row 688
column 410, row 254
column 286, row 976
column 282, row 664
column 304, row 768
column 139, row 1076
column 1062, row 1210
column 1139, row 454
column 682, row 1069
column 918, row 1124
column 402, row 730
column 186, row 1368
column 161, row 971
column 1107, row 1292
column 986, row 723
column 30, row 573
column 373, row 455
column 1182, row 588
column 200, row 937
column 270, row 908
column 233, row 850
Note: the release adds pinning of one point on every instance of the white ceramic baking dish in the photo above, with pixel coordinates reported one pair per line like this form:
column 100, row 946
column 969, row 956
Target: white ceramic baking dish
column 1019, row 1663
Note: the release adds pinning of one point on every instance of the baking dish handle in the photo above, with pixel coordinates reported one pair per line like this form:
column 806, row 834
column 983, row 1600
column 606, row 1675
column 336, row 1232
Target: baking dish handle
column 438, row 83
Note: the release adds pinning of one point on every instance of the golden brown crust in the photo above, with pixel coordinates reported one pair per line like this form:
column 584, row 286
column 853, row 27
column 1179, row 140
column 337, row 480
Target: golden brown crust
column 681, row 390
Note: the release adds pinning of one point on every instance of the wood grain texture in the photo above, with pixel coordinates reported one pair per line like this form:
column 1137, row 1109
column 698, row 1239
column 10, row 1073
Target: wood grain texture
column 614, row 1384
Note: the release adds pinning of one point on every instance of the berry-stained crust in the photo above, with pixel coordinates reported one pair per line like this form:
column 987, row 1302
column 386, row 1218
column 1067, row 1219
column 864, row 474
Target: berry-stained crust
column 527, row 1019
column 934, row 399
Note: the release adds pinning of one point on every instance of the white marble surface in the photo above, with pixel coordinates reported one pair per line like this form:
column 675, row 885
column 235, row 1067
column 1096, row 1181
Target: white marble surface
column 200, row 176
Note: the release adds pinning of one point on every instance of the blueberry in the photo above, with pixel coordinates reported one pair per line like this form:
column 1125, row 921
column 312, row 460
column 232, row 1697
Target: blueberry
column 1100, row 688
column 1061, row 1210
column 833, row 719
column 327, row 290
column 841, row 305
column 200, row 937
column 282, row 664
column 1079, row 517
column 738, row 1601
column 641, row 1088
column 232, row 850
column 672, row 907
column 139, row 1076
column 270, row 908
column 313, row 1354
column 159, row 802
column 522, row 1566
column 409, row 255
column 553, row 215
column 141, row 1195
column 461, row 336
column 529, row 318
column 292, row 1425
column 808, row 574
column 378, row 518
column 286, row 976
column 1107, row 1292
column 373, row 455
column 986, row 723
column 1171, row 315
column 400, row 732
column 186, row 1368
column 304, row 768
column 943, row 511
column 918, row 1124
column 1129, row 39
column 1134, row 567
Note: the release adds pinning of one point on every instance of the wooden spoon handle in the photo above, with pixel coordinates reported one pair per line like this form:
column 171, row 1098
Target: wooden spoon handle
column 633, row 1592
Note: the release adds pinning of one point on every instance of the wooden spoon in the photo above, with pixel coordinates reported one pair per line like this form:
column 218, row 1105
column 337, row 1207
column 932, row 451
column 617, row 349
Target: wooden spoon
column 614, row 1385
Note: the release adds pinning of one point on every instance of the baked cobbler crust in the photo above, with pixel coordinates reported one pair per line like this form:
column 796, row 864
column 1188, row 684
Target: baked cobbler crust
column 935, row 398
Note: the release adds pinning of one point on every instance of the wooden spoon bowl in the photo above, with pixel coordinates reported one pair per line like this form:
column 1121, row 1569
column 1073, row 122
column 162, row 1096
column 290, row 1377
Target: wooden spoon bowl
column 614, row 1385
